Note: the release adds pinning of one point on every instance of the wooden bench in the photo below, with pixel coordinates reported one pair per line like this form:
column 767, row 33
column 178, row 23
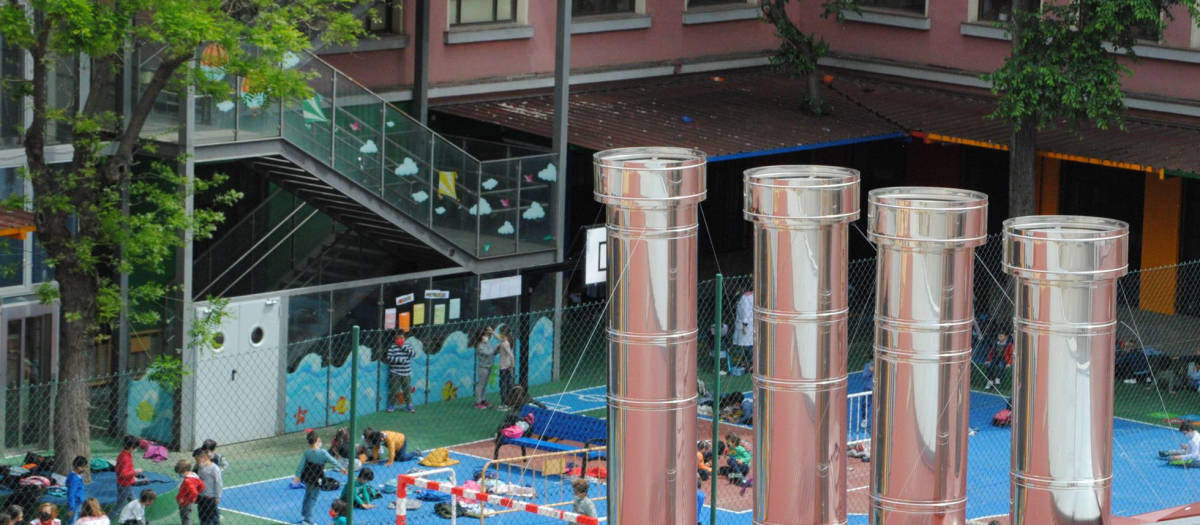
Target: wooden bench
column 549, row 425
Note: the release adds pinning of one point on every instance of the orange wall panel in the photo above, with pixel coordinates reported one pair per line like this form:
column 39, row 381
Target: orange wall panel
column 1160, row 243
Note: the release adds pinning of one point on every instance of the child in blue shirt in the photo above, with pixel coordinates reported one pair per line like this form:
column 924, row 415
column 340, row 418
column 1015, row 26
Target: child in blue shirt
column 75, row 488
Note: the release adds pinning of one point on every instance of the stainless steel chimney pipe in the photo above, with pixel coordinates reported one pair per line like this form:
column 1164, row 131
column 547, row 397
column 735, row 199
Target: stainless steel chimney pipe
column 1066, row 271
column 653, row 197
column 926, row 239
column 801, row 216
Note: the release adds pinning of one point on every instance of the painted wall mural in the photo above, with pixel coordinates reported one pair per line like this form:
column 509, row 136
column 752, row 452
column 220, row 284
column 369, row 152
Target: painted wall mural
column 149, row 411
column 318, row 396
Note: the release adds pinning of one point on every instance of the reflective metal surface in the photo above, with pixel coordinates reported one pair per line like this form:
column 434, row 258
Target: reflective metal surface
column 926, row 239
column 801, row 216
column 1066, row 271
column 652, row 197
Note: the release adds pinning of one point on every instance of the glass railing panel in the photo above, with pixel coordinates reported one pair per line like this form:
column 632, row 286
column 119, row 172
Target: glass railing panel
column 308, row 124
column 358, row 119
column 407, row 182
column 456, row 203
column 538, row 179
column 163, row 122
column 216, row 116
column 499, row 230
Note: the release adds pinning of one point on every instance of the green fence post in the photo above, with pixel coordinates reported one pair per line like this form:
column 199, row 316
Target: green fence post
column 716, row 416
column 353, row 421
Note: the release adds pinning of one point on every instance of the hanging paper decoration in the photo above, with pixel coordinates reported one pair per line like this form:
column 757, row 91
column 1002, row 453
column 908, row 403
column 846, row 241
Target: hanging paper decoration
column 548, row 174
column 225, row 106
column 482, row 208
column 290, row 60
column 420, row 196
column 439, row 210
column 406, row 168
column 213, row 60
column 535, row 212
column 312, row 110
column 506, row 229
column 446, row 184
column 252, row 99
column 369, row 148
column 354, row 126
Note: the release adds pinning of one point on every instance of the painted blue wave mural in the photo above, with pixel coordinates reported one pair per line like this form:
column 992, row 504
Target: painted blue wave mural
column 149, row 411
column 318, row 396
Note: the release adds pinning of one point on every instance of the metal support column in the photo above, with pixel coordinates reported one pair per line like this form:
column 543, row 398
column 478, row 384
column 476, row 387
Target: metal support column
column 420, row 90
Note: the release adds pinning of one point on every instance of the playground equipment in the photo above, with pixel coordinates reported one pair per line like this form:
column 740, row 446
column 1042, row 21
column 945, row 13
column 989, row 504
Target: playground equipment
column 801, row 217
column 1066, row 271
column 553, row 469
column 924, row 308
column 406, row 480
column 652, row 198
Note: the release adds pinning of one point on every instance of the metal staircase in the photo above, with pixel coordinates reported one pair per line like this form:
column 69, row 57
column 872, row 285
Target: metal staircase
column 349, row 154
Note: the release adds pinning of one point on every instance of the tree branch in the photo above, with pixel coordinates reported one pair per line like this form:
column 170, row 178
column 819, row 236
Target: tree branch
column 141, row 112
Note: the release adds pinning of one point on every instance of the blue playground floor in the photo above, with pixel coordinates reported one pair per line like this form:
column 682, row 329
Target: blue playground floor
column 1142, row 483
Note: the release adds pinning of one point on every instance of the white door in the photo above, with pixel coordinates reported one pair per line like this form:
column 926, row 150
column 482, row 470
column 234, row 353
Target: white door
column 238, row 380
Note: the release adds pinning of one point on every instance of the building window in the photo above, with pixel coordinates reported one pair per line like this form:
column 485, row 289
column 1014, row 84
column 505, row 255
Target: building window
column 600, row 7
column 912, row 6
column 386, row 18
column 1146, row 32
column 703, row 3
column 463, row 12
column 994, row 10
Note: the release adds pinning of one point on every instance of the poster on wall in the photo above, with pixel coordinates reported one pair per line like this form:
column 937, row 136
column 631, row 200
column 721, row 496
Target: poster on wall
column 439, row 314
column 455, row 308
column 389, row 319
column 404, row 299
column 500, row 288
column 405, row 321
column 596, row 256
column 437, row 294
column 418, row 314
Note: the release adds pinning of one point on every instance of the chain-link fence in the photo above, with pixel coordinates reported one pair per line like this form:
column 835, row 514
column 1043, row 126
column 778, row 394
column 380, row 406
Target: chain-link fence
column 256, row 403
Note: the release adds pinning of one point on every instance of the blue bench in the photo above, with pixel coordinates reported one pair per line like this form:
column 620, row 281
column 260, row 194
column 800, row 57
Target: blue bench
column 550, row 425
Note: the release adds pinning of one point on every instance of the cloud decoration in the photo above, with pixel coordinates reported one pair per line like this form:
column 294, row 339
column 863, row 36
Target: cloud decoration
column 420, row 196
column 290, row 60
column 439, row 210
column 483, row 208
column 406, row 168
column 369, row 148
column 506, row 229
column 490, row 184
column 391, row 124
column 225, row 107
column 535, row 212
column 549, row 174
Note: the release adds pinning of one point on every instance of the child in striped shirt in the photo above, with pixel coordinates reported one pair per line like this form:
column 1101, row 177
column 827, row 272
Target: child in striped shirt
column 399, row 357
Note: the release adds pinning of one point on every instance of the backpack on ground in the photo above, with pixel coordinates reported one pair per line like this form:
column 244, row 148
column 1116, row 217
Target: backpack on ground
column 329, row 484
column 26, row 496
column 1002, row 418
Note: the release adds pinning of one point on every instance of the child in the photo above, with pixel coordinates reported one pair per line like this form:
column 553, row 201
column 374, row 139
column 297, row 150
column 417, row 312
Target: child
column 705, row 470
column 485, row 354
column 189, row 490
column 311, row 472
column 1189, row 452
column 516, row 400
column 210, row 446
column 394, row 441
column 126, row 474
column 135, row 513
column 75, row 487
column 582, row 505
column 338, row 511
column 700, row 497
column 47, row 514
column 92, row 514
column 363, row 491
column 739, row 458
column 508, row 365
column 399, row 357
column 1000, row 358
column 209, row 501
column 342, row 448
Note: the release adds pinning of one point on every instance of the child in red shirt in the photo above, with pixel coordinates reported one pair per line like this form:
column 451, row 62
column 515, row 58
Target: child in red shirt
column 189, row 490
column 126, row 474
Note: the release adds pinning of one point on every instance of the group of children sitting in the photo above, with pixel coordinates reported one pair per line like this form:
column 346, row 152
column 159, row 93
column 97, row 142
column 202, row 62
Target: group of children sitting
column 737, row 463
column 382, row 446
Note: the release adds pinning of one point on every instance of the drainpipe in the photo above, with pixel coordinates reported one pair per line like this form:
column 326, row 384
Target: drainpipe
column 1065, row 271
column 801, row 217
column 926, row 241
column 652, row 198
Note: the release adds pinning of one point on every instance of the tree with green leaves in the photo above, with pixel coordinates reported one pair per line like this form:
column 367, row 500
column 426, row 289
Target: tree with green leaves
column 89, row 239
column 1065, row 70
column 799, row 51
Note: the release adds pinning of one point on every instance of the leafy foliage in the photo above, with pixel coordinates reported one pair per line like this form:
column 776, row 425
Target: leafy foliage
column 1066, row 67
column 168, row 372
column 798, row 51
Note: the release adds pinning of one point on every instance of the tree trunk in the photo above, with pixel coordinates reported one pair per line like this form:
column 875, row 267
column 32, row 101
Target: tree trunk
column 1022, row 170
column 72, row 436
column 814, row 92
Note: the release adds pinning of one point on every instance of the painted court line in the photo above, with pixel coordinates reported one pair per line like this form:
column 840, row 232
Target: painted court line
column 264, row 518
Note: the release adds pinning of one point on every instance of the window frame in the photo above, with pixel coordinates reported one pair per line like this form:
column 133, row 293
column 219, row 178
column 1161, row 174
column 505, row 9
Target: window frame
column 635, row 7
column 451, row 17
column 895, row 10
column 975, row 7
column 719, row 4
column 392, row 19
